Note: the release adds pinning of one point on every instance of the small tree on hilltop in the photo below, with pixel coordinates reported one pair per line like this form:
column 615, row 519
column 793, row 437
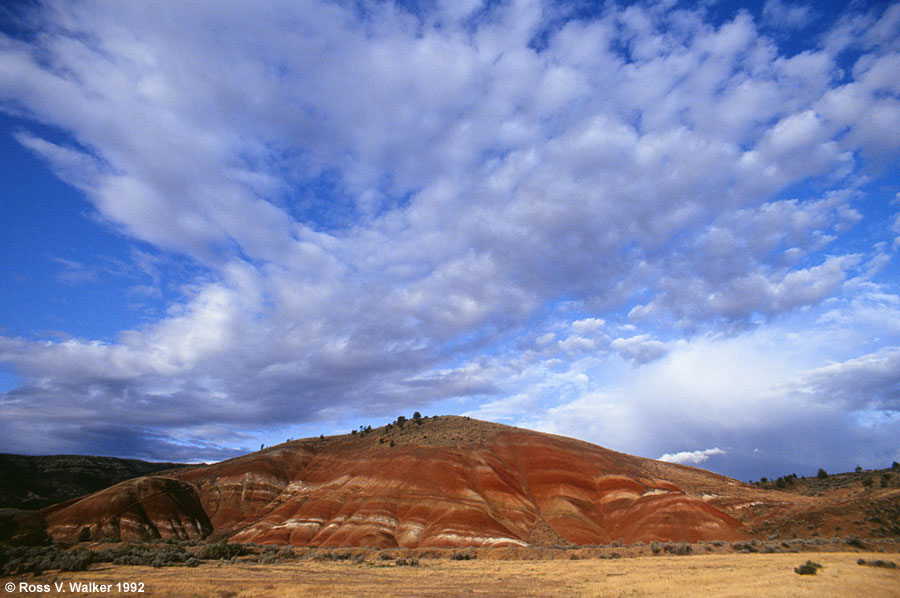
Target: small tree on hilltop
column 822, row 474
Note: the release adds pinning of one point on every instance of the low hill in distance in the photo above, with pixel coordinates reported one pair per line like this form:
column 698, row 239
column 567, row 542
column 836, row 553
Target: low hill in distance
column 450, row 481
column 34, row 482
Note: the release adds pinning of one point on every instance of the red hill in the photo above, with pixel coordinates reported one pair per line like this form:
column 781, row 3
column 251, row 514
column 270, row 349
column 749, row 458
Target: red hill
column 447, row 482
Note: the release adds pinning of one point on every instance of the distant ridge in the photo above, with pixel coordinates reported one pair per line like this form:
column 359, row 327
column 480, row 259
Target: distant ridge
column 34, row 482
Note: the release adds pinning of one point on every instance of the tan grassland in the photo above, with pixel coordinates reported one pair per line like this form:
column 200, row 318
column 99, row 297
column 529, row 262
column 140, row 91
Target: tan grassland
column 725, row 575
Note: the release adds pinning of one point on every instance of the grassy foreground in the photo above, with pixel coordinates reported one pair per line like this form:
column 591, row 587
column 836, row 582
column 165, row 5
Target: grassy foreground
column 732, row 575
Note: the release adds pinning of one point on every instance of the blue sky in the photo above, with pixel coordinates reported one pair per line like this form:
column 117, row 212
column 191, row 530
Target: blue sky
column 665, row 228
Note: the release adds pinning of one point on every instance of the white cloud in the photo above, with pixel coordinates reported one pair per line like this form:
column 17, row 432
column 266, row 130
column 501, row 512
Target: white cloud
column 789, row 15
column 692, row 457
column 382, row 206
column 640, row 348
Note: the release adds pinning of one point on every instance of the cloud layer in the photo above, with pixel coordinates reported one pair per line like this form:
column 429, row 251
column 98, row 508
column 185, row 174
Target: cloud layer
column 516, row 210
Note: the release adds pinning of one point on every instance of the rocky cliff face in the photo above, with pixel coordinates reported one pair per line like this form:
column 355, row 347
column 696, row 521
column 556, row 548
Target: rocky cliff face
column 441, row 482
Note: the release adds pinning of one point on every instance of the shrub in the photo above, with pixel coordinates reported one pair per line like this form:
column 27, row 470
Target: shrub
column 77, row 560
column 822, row 473
column 460, row 555
column 286, row 552
column 807, row 568
column 878, row 563
column 221, row 551
column 680, row 549
column 854, row 541
column 655, row 547
column 407, row 562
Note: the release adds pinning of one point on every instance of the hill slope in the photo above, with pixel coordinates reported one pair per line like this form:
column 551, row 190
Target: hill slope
column 446, row 481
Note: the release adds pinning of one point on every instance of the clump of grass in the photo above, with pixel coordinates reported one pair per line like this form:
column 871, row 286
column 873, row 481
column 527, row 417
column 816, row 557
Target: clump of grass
column 807, row 568
column 222, row 551
column 854, row 541
column 877, row 563
column 461, row 555
column 680, row 549
column 407, row 562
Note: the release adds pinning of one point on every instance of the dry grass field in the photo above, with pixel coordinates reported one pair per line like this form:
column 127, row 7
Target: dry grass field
column 731, row 575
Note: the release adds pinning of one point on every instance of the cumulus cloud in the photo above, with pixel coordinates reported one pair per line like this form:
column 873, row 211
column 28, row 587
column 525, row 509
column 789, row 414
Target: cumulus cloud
column 692, row 457
column 867, row 382
column 788, row 15
column 382, row 204
column 764, row 386
column 640, row 348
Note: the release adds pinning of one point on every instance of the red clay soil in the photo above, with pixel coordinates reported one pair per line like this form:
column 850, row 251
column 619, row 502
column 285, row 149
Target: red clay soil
column 445, row 482
column 452, row 482
column 133, row 510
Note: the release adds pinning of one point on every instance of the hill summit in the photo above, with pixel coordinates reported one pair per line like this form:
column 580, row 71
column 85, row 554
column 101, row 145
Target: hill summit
column 426, row 481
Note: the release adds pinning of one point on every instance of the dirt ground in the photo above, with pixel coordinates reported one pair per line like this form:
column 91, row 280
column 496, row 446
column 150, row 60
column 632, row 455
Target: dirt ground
column 734, row 575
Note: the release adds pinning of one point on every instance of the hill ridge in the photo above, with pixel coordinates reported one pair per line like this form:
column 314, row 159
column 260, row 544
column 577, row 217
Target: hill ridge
column 443, row 481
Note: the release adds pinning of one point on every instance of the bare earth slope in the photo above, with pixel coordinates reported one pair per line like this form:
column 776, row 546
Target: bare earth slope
column 452, row 481
column 446, row 481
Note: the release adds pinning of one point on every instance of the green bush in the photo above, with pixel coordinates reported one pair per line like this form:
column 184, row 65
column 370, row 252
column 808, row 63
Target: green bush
column 854, row 541
column 680, row 549
column 222, row 551
column 460, row 555
column 36, row 560
column 807, row 568
column 407, row 562
column 878, row 563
